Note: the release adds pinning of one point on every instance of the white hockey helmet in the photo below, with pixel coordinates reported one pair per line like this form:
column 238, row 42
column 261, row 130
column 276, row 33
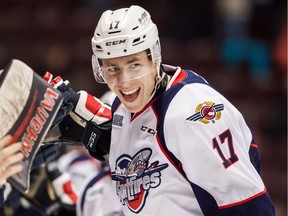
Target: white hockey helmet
column 124, row 32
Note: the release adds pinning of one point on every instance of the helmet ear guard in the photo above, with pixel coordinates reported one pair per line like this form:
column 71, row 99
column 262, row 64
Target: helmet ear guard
column 124, row 32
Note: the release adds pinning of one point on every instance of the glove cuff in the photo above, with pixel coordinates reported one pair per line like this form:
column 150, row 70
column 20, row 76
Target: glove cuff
column 92, row 109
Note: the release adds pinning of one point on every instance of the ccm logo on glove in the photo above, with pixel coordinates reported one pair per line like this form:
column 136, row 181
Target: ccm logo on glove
column 92, row 139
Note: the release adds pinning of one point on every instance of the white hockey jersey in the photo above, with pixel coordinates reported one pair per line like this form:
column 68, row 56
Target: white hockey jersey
column 188, row 152
column 80, row 166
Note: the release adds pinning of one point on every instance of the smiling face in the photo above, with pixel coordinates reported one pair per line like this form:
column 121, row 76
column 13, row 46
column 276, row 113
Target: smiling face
column 132, row 78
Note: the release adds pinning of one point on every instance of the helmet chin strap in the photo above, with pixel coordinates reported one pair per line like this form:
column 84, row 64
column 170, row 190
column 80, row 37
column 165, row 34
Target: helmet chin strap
column 161, row 83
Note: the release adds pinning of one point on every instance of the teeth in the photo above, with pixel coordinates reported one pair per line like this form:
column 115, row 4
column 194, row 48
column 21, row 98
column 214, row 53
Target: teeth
column 130, row 92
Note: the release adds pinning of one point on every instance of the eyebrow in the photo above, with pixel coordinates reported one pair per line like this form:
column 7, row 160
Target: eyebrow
column 135, row 58
column 129, row 61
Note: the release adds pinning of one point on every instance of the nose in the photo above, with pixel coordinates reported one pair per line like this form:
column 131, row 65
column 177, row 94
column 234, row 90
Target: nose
column 124, row 76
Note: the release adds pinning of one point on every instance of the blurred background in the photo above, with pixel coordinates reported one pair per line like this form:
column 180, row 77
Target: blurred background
column 239, row 46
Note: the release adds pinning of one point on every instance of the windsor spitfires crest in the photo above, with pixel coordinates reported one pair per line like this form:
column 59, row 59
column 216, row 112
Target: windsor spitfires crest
column 135, row 177
column 207, row 112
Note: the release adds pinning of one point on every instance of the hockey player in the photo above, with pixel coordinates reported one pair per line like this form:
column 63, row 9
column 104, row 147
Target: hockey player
column 178, row 147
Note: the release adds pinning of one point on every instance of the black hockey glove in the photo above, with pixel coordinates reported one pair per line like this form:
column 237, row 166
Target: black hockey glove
column 97, row 139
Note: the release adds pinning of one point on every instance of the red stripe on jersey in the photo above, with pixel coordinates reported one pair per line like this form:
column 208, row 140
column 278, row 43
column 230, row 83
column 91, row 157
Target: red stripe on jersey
column 243, row 201
column 179, row 78
column 254, row 145
column 145, row 107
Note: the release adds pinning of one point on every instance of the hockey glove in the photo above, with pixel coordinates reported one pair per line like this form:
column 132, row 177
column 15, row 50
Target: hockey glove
column 90, row 119
column 69, row 96
column 62, row 186
column 97, row 133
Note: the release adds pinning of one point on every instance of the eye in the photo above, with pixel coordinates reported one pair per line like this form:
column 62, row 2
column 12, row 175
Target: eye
column 113, row 69
column 134, row 66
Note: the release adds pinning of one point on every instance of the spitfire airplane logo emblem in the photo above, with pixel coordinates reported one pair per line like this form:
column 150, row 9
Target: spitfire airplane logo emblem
column 207, row 112
column 134, row 178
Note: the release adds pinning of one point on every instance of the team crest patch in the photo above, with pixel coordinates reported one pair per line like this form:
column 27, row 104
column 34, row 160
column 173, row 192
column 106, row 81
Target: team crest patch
column 207, row 112
column 135, row 176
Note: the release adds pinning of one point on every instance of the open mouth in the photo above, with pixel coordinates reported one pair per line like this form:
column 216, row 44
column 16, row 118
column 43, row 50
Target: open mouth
column 130, row 95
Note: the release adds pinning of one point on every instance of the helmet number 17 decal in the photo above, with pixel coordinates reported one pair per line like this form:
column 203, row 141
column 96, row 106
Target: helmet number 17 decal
column 114, row 25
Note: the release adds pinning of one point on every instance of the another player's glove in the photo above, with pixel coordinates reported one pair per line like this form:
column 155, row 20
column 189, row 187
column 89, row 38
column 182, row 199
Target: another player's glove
column 90, row 119
column 62, row 186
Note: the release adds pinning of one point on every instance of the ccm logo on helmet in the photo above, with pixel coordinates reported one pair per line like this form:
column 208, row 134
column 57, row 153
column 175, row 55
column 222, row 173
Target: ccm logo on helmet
column 112, row 43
